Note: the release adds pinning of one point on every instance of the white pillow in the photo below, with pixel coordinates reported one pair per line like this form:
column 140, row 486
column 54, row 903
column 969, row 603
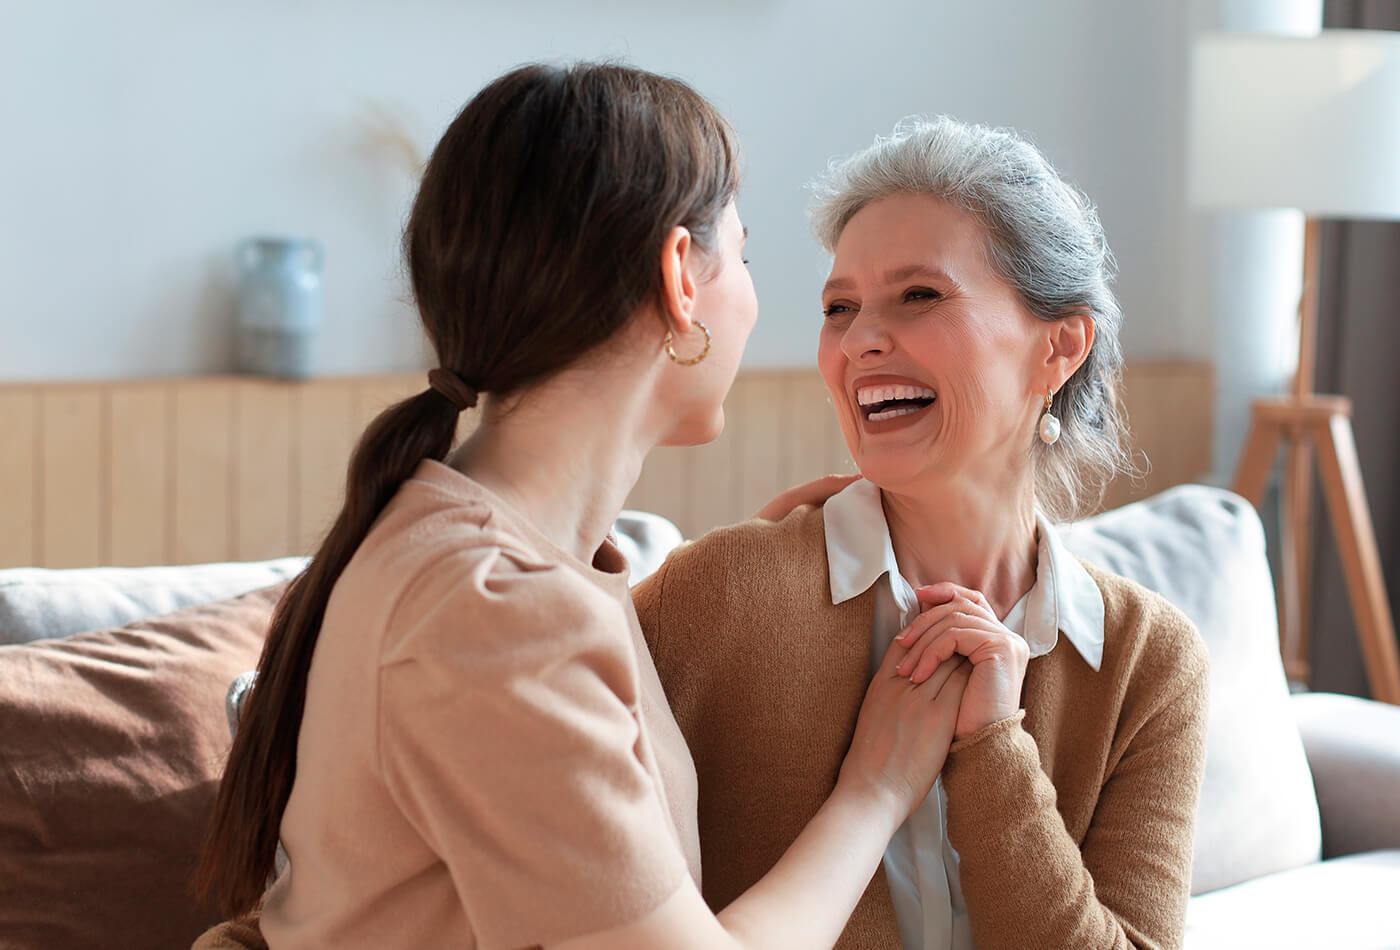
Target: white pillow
column 41, row 604
column 645, row 539
column 1203, row 549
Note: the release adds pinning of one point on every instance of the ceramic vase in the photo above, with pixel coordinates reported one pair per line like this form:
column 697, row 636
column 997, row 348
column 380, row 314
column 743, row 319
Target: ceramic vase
column 279, row 305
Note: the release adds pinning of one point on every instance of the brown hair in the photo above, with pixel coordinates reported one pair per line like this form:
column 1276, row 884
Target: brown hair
column 536, row 234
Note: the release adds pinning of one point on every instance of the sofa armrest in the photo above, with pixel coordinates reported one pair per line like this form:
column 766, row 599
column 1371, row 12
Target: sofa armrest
column 1353, row 748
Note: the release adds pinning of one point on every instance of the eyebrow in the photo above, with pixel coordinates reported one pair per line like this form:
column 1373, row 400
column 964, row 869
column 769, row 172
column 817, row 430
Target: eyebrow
column 891, row 276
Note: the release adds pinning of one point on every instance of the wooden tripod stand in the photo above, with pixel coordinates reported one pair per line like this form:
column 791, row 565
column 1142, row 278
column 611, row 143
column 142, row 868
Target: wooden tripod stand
column 1307, row 422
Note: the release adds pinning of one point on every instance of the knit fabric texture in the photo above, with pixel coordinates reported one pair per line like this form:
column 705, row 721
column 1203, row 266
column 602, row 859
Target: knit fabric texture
column 1073, row 819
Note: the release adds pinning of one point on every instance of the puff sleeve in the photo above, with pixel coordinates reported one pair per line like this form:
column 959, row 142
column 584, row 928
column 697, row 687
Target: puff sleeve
column 509, row 736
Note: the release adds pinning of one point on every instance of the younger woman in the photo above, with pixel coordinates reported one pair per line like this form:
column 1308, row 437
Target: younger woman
column 457, row 732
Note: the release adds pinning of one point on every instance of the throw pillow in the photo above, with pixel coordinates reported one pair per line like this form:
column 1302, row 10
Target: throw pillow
column 39, row 603
column 1203, row 549
column 110, row 755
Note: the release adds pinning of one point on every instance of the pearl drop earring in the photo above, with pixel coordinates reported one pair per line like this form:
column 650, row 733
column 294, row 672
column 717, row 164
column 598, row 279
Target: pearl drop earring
column 1049, row 425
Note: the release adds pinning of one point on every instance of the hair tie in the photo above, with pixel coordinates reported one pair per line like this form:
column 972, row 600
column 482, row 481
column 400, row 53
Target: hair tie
column 452, row 387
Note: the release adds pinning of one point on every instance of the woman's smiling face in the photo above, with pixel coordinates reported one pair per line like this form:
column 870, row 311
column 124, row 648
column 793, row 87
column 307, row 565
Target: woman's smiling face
column 930, row 356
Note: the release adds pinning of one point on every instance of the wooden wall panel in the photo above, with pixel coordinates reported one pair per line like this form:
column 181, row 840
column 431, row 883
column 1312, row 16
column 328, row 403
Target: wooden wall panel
column 810, row 432
column 229, row 468
column 779, row 431
column 1170, row 408
column 714, row 469
column 323, row 436
column 761, row 469
column 373, row 394
column 264, row 502
column 666, row 484
column 202, row 471
column 72, row 519
column 838, row 455
column 19, row 478
column 141, row 439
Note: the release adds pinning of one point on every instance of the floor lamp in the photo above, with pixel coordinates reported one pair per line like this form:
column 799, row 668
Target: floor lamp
column 1311, row 123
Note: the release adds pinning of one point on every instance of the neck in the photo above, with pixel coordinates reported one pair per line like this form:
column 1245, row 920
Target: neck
column 978, row 536
column 553, row 456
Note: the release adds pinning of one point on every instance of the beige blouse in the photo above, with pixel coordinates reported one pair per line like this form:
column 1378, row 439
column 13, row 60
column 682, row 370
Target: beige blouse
column 487, row 758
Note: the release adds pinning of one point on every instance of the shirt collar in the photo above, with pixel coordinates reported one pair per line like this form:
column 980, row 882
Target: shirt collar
column 858, row 547
column 1063, row 600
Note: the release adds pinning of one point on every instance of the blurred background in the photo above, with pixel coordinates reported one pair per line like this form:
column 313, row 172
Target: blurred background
column 144, row 140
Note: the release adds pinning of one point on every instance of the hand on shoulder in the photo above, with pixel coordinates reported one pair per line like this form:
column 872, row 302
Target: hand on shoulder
column 815, row 492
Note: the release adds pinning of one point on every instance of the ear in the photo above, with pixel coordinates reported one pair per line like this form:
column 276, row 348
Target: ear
column 1068, row 341
column 678, row 284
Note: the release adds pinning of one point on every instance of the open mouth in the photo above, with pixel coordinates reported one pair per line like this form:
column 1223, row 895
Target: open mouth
column 879, row 403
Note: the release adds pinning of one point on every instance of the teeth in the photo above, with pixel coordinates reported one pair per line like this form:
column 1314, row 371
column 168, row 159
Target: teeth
column 870, row 395
column 892, row 413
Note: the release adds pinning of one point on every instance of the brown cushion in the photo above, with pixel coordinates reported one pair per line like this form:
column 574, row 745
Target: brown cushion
column 111, row 747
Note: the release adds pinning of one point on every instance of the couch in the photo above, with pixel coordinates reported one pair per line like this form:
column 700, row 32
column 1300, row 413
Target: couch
column 111, row 741
column 1298, row 827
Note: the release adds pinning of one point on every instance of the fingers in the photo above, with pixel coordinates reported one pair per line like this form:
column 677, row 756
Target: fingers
column 814, row 492
column 938, row 677
column 945, row 591
column 823, row 488
column 957, row 600
column 948, row 644
column 950, row 694
column 894, row 655
column 921, row 631
column 969, row 635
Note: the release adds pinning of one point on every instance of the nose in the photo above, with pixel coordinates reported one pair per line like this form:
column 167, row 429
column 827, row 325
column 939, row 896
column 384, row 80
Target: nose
column 866, row 337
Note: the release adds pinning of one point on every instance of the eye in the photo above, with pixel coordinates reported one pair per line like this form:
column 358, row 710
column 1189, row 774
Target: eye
column 920, row 293
column 836, row 309
column 745, row 260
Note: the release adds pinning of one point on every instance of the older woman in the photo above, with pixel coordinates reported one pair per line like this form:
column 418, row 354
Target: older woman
column 969, row 343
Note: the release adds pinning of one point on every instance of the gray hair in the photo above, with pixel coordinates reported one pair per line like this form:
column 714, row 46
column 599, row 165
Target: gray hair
column 1045, row 241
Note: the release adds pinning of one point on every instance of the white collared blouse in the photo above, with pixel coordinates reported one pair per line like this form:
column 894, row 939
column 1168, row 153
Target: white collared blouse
column 920, row 865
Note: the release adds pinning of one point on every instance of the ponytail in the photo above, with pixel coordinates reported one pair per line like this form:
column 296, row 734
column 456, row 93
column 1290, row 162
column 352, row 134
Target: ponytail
column 241, row 848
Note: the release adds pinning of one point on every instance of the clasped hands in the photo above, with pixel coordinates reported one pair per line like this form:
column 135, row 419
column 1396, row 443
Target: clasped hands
column 958, row 622
column 954, row 621
column 953, row 671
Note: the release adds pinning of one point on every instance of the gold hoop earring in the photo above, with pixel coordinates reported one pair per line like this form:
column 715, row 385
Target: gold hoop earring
column 1049, row 424
column 671, row 350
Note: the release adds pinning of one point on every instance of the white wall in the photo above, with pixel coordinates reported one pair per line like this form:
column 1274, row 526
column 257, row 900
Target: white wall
column 1245, row 268
column 142, row 139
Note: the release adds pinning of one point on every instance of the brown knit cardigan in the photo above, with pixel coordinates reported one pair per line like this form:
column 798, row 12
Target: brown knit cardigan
column 1073, row 821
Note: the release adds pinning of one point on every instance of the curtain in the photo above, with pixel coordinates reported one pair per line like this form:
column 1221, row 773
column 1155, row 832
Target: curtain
column 1358, row 356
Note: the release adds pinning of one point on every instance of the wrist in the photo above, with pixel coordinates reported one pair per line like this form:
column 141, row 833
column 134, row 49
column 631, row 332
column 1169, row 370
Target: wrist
column 870, row 803
column 991, row 729
column 972, row 727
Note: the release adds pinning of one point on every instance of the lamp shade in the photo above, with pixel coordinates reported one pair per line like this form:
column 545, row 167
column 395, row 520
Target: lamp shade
column 1311, row 123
